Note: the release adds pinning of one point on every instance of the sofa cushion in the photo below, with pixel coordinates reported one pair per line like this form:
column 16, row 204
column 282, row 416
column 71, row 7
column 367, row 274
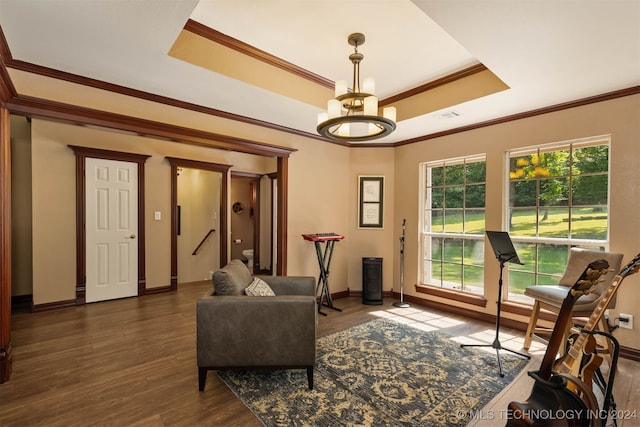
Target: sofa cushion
column 259, row 288
column 231, row 279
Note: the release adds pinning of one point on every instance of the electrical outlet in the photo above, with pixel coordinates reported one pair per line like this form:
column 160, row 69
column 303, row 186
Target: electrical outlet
column 626, row 321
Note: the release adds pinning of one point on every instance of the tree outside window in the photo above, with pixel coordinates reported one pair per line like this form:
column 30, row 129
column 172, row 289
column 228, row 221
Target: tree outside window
column 558, row 198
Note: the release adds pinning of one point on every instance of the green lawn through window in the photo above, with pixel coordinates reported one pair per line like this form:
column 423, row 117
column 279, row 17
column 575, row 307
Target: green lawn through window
column 549, row 260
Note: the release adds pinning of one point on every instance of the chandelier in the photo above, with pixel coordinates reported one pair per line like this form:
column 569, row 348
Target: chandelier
column 353, row 114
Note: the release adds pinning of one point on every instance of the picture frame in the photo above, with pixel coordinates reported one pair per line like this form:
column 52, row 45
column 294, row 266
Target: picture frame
column 370, row 201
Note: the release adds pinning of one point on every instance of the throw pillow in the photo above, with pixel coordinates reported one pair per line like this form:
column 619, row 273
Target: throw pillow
column 259, row 288
column 231, row 279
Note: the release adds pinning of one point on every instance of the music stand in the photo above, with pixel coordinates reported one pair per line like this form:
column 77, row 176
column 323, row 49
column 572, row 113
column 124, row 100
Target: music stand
column 505, row 252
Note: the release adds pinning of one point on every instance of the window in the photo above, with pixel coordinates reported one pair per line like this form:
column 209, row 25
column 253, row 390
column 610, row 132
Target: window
column 453, row 224
column 558, row 198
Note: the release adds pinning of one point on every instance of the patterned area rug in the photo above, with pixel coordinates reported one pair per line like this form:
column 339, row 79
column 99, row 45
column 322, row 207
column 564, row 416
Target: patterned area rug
column 379, row 373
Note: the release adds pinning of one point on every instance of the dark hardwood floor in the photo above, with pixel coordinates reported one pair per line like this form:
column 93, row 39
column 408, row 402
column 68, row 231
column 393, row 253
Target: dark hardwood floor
column 132, row 362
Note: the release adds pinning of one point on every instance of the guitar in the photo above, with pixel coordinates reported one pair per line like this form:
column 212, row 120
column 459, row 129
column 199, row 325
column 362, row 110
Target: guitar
column 551, row 396
column 581, row 360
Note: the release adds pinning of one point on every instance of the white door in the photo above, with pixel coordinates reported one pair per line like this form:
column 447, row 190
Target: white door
column 111, row 229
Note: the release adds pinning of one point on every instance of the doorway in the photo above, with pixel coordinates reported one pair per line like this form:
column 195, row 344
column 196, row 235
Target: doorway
column 252, row 221
column 198, row 219
column 83, row 155
column 245, row 217
column 198, row 228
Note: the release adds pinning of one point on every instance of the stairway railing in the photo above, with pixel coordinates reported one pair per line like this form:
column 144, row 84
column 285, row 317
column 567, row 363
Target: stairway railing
column 204, row 239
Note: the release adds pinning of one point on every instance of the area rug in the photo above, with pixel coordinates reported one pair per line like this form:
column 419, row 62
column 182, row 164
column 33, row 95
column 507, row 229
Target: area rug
column 380, row 373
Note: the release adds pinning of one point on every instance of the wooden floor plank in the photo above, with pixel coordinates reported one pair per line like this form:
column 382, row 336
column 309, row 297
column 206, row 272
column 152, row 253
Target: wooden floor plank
column 133, row 362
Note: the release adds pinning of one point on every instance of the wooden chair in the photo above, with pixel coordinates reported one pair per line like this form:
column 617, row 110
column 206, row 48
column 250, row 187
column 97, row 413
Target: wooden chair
column 550, row 298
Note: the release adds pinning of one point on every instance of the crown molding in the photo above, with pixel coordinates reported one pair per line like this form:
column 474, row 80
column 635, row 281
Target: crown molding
column 531, row 113
column 46, row 109
column 7, row 90
column 253, row 52
column 474, row 69
column 147, row 96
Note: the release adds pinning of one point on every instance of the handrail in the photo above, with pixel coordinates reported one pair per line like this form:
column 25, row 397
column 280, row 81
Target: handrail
column 204, row 239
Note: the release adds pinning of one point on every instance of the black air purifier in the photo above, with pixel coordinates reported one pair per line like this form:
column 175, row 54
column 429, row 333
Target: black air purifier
column 372, row 281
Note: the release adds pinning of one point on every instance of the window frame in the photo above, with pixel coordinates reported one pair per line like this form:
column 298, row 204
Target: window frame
column 537, row 240
column 426, row 222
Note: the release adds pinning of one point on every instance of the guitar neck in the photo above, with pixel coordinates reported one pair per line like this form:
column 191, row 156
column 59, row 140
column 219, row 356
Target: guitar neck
column 602, row 306
column 627, row 270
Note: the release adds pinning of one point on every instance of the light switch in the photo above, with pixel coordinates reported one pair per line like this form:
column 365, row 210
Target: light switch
column 157, row 216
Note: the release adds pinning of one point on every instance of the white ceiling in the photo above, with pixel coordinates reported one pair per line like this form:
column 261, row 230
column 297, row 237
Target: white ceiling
column 547, row 51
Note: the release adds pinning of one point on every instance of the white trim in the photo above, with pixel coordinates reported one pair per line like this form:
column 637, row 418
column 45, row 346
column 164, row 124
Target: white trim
column 559, row 241
column 425, row 218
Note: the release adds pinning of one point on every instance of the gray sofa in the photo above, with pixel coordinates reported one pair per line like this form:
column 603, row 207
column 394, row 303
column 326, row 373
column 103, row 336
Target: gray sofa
column 238, row 331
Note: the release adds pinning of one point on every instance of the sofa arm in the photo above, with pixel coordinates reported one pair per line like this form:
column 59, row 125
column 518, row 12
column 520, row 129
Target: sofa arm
column 245, row 331
column 291, row 285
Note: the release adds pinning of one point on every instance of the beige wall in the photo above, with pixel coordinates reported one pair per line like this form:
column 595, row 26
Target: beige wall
column 53, row 165
column 323, row 197
column 619, row 118
column 21, row 274
column 384, row 242
column 319, row 188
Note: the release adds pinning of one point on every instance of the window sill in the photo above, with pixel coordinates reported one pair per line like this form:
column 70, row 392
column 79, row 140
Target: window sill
column 477, row 300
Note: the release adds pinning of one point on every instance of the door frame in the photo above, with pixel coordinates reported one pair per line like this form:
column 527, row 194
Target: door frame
column 224, row 195
column 81, row 154
column 254, row 209
column 6, row 350
column 274, row 214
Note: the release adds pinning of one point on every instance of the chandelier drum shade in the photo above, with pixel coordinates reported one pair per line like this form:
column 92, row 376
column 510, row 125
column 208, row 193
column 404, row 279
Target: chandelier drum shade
column 353, row 114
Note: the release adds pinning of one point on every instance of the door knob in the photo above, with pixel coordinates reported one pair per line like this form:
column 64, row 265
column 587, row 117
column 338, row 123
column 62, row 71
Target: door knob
column 133, row 236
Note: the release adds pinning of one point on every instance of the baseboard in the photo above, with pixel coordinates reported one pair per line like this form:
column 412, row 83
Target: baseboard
column 158, row 290
column 630, row 353
column 56, row 305
column 342, row 294
column 358, row 293
column 72, row 303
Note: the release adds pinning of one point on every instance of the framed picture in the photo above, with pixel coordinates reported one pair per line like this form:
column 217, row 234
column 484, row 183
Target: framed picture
column 370, row 201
